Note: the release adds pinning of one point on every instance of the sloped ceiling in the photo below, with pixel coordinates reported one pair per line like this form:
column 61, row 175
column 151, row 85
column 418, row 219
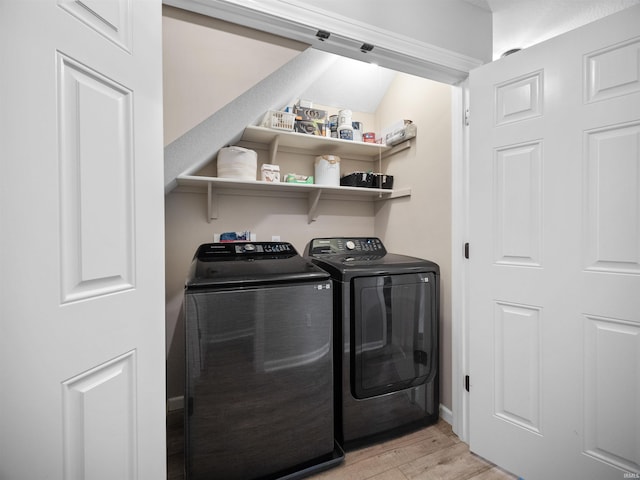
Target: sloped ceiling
column 359, row 85
column 208, row 63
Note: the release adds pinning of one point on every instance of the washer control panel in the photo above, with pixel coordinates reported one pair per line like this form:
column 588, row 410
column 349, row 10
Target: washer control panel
column 263, row 247
column 234, row 250
column 346, row 245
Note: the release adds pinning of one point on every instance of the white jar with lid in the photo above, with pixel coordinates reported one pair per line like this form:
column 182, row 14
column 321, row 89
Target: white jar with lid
column 327, row 170
column 344, row 117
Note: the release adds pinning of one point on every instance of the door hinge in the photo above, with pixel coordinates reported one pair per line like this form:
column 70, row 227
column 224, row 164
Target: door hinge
column 466, row 117
column 466, row 250
column 466, row 382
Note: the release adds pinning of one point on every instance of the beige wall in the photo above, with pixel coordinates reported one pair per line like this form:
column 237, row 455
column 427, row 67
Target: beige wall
column 425, row 168
column 421, row 225
column 208, row 63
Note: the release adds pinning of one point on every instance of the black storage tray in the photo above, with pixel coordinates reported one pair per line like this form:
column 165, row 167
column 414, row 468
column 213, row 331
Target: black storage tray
column 357, row 179
column 382, row 181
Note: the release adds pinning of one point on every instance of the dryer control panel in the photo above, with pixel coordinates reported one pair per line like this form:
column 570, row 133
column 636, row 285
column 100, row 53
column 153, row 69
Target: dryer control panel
column 346, row 245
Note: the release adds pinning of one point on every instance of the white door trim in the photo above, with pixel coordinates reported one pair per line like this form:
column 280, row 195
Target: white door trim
column 409, row 56
column 459, row 275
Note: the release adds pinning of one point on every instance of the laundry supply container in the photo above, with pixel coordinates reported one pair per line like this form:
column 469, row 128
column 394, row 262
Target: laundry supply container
column 327, row 170
column 237, row 162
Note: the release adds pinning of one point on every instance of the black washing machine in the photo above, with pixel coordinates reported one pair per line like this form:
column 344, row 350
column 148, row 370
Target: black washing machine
column 259, row 364
column 386, row 324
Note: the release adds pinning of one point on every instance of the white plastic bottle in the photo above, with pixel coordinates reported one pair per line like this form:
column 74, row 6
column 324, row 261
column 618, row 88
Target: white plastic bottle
column 345, row 127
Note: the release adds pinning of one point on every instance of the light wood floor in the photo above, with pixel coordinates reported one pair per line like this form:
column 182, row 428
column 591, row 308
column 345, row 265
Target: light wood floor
column 432, row 453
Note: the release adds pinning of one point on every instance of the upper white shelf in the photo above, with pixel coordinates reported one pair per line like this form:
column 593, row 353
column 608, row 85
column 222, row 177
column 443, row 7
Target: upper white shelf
column 317, row 145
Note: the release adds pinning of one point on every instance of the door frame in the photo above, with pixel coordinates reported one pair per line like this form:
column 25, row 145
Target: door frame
column 410, row 56
column 460, row 120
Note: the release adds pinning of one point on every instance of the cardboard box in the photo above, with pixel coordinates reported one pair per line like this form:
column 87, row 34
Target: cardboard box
column 295, row 178
column 270, row 173
column 310, row 121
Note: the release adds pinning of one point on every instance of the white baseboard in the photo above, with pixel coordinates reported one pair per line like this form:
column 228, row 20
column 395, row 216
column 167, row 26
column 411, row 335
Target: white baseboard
column 446, row 414
column 175, row 403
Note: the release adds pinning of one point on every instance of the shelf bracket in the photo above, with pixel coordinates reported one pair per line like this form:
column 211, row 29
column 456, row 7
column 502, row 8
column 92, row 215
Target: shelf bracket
column 273, row 149
column 396, row 149
column 212, row 203
column 314, row 200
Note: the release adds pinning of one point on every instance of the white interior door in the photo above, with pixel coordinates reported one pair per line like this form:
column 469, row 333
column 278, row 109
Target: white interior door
column 554, row 302
column 81, row 257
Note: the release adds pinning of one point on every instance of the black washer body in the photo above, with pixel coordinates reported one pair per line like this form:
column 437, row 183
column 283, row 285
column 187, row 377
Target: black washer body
column 386, row 327
column 259, row 364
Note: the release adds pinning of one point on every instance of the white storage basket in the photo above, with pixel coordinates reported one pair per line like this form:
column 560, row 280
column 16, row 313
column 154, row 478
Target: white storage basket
column 279, row 120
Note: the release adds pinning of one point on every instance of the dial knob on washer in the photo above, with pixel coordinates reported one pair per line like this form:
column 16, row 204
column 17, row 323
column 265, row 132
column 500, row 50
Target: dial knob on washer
column 249, row 247
column 350, row 245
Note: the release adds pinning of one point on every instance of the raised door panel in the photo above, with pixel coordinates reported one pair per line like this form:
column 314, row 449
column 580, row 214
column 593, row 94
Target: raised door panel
column 612, row 71
column 112, row 19
column 99, row 414
column 96, row 177
column 612, row 385
column 519, row 99
column 518, row 205
column 518, row 366
column 612, row 199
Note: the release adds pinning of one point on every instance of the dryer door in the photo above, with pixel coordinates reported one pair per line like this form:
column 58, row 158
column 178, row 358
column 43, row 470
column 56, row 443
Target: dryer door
column 394, row 333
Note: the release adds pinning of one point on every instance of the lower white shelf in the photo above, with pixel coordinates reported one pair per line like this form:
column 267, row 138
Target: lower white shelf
column 312, row 192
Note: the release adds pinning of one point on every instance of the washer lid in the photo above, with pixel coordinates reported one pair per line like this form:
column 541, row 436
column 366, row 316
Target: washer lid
column 352, row 256
column 237, row 264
